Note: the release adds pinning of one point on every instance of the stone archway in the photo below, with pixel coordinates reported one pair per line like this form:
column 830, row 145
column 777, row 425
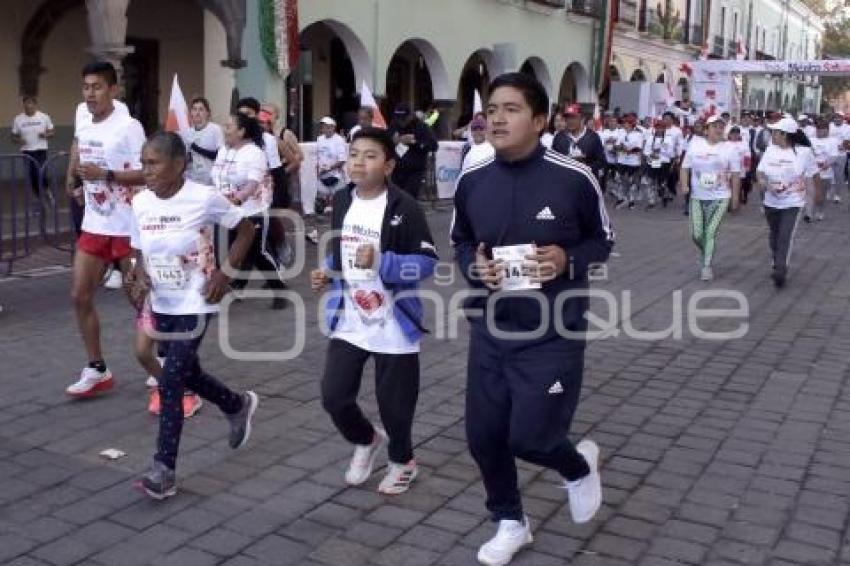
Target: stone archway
column 339, row 65
column 574, row 84
column 34, row 35
column 536, row 67
column 416, row 75
column 475, row 76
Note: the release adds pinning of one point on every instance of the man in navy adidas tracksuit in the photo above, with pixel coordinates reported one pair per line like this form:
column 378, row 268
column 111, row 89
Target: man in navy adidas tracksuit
column 528, row 224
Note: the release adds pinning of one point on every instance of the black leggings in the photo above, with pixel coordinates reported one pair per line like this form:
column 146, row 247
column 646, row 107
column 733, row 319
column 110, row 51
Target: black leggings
column 183, row 370
column 396, row 387
column 258, row 256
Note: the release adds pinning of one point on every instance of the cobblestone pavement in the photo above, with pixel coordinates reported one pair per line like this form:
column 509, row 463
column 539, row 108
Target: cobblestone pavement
column 714, row 452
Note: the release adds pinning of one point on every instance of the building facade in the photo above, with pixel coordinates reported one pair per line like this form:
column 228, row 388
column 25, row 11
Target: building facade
column 422, row 53
column 45, row 43
column 769, row 30
column 652, row 41
column 425, row 54
column 434, row 53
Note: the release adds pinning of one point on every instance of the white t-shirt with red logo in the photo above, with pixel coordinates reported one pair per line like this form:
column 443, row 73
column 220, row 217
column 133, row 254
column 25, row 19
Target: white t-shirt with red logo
column 368, row 320
column 786, row 171
column 742, row 148
column 211, row 138
column 31, row 128
column 711, row 168
column 630, row 140
column 115, row 144
column 609, row 139
column 826, row 152
column 175, row 237
column 242, row 176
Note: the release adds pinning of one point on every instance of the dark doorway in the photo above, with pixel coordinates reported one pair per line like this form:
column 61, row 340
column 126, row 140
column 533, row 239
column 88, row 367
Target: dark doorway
column 344, row 98
column 141, row 82
column 475, row 75
column 398, row 84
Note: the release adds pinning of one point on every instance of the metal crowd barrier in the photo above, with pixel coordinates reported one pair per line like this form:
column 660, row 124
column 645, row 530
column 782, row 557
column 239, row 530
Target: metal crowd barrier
column 30, row 215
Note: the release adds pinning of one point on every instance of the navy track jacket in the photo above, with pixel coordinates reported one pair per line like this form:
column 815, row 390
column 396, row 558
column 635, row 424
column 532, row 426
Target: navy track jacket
column 544, row 199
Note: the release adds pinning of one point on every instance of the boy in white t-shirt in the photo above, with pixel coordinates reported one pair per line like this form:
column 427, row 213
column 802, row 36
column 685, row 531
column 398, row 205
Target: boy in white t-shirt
column 383, row 251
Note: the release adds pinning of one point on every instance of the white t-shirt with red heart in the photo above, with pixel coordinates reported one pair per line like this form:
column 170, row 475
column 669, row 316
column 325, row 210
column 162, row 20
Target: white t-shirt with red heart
column 711, row 166
column 368, row 320
column 175, row 237
column 786, row 171
column 114, row 143
column 826, row 150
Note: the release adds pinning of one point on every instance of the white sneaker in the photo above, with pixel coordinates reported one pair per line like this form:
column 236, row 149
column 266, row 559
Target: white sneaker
column 586, row 493
column 363, row 459
column 836, row 198
column 91, row 382
column 509, row 539
column 706, row 274
column 398, row 478
column 312, row 236
column 114, row 281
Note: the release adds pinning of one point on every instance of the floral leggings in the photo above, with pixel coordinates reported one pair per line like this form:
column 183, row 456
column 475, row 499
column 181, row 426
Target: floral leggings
column 705, row 218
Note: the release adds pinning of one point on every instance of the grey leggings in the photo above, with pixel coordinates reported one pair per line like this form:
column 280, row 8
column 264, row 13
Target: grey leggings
column 783, row 224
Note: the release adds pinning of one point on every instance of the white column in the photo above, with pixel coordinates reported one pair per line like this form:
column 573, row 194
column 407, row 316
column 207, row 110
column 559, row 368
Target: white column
column 108, row 30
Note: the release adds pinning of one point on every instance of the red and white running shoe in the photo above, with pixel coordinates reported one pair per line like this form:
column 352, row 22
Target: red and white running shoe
column 91, row 383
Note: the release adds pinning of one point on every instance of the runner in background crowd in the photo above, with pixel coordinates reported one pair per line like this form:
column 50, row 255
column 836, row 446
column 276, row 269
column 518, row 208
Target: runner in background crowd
column 414, row 141
column 31, row 131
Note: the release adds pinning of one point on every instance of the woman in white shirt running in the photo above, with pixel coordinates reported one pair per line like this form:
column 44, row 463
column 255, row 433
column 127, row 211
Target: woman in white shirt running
column 785, row 174
column 711, row 174
column 171, row 230
column 241, row 174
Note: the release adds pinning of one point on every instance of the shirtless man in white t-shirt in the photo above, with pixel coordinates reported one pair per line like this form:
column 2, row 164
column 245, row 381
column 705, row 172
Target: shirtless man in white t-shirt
column 106, row 158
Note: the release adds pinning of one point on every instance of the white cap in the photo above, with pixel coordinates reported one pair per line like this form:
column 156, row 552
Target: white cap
column 787, row 125
column 712, row 119
column 802, row 117
column 328, row 121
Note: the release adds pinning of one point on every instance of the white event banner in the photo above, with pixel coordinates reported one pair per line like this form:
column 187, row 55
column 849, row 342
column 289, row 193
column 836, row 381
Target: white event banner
column 447, row 168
